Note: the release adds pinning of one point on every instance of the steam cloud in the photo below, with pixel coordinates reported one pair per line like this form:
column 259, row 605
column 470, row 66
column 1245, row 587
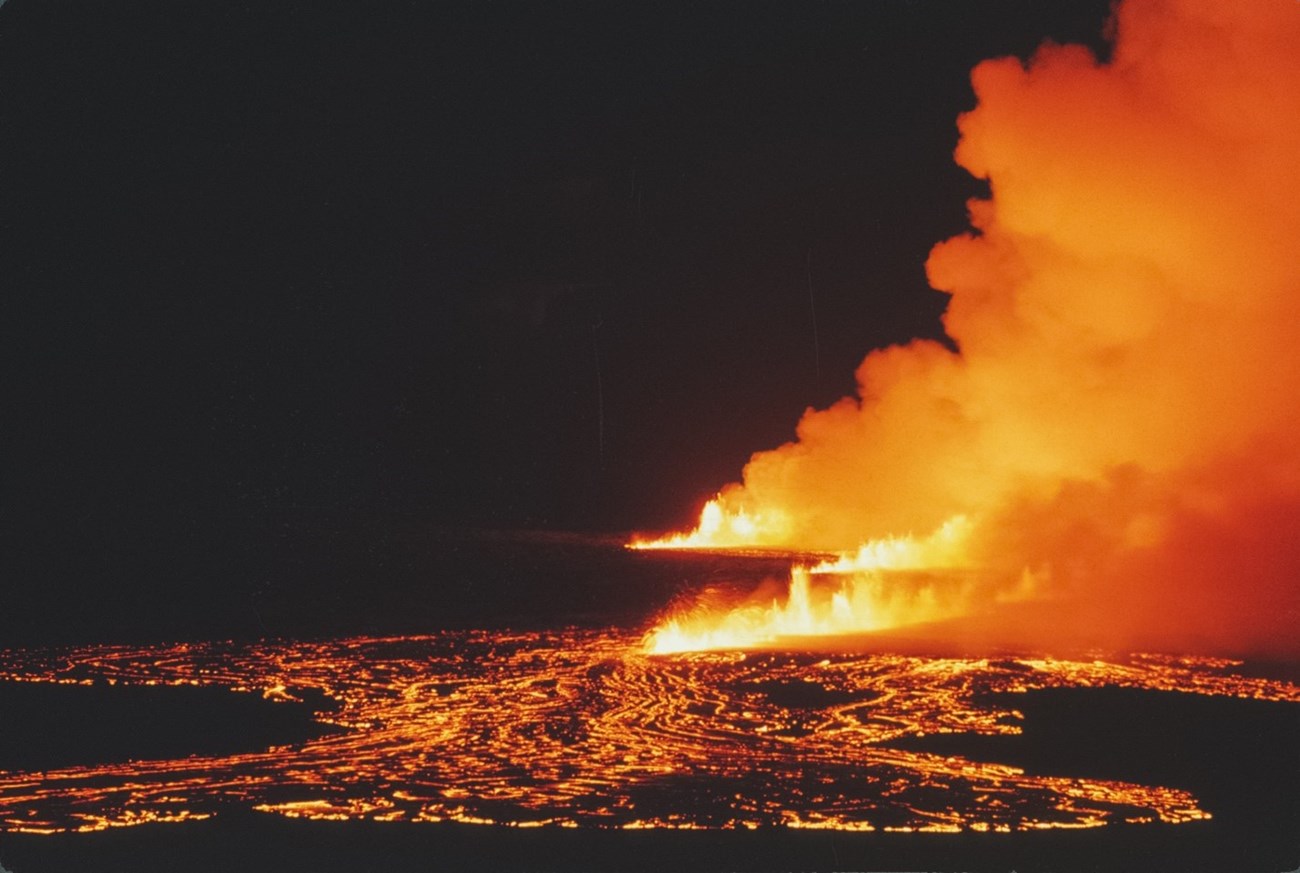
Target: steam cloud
column 1121, row 414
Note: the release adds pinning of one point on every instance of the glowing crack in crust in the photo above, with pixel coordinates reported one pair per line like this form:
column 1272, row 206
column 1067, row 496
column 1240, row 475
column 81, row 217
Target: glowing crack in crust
column 584, row 729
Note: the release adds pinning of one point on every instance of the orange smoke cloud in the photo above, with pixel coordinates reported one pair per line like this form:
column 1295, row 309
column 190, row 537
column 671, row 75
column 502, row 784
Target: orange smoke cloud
column 1120, row 417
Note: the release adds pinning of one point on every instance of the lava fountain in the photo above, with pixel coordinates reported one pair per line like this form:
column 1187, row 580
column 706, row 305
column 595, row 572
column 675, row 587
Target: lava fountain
column 1111, row 434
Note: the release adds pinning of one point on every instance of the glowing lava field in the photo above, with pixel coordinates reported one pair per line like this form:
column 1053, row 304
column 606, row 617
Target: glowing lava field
column 583, row 729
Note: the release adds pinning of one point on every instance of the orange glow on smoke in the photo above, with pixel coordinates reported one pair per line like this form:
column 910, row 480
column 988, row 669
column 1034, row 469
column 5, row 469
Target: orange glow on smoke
column 1119, row 421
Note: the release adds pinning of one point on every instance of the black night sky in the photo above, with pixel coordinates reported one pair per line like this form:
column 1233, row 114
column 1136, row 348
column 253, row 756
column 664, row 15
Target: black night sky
column 283, row 266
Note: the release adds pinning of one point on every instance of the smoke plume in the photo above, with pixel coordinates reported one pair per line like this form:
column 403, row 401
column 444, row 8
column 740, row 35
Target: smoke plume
column 1120, row 414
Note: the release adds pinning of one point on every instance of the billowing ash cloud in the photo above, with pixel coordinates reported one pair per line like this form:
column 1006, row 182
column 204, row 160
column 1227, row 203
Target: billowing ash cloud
column 1123, row 412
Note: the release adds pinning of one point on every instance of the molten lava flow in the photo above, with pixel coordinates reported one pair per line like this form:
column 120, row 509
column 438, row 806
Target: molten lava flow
column 581, row 729
column 1118, row 420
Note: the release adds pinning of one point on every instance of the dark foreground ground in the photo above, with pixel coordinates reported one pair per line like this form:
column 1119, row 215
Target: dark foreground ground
column 250, row 842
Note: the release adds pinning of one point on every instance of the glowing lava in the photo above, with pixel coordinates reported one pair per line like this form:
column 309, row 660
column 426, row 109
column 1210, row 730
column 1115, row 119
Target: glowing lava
column 723, row 528
column 886, row 583
column 582, row 729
